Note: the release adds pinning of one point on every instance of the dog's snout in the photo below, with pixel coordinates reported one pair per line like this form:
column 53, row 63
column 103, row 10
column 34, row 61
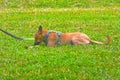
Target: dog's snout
column 36, row 43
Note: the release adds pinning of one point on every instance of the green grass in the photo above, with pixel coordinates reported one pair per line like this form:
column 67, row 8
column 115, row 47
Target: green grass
column 88, row 62
column 58, row 3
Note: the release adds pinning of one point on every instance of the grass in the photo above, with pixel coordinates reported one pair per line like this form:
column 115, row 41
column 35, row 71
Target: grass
column 58, row 3
column 88, row 62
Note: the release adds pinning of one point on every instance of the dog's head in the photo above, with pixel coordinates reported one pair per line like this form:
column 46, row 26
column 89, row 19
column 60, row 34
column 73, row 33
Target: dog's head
column 38, row 36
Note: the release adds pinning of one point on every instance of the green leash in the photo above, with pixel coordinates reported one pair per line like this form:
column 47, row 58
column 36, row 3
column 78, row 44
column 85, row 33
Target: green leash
column 15, row 37
column 28, row 39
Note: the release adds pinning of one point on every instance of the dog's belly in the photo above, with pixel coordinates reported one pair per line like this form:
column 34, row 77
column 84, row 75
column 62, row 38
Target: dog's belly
column 66, row 38
column 81, row 38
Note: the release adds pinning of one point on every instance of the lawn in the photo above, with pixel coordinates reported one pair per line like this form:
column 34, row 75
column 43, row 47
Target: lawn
column 63, row 62
column 58, row 3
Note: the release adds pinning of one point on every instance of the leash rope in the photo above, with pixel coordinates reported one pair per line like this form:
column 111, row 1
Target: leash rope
column 15, row 37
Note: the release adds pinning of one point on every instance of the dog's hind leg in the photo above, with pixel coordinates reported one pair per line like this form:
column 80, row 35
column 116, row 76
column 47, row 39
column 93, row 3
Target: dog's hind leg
column 80, row 40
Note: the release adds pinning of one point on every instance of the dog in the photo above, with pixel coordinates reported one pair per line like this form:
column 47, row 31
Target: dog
column 52, row 38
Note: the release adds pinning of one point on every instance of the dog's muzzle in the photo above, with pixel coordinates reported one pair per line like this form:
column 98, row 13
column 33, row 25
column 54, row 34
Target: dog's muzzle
column 36, row 43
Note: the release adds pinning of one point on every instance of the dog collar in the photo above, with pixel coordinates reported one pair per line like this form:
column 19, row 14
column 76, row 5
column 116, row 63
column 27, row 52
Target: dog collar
column 47, row 34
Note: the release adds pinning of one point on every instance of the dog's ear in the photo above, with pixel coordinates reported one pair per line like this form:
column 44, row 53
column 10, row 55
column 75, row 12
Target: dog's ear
column 40, row 29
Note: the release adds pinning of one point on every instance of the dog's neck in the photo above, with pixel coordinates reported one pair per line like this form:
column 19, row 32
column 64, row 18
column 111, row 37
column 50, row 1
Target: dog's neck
column 44, row 32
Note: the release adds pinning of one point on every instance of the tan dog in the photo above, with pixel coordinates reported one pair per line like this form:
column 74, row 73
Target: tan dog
column 75, row 38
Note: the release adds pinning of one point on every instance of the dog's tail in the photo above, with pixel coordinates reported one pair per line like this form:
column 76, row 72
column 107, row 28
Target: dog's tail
column 18, row 38
column 107, row 42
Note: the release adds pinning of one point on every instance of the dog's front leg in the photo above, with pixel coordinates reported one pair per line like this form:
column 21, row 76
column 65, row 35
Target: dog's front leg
column 51, row 44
